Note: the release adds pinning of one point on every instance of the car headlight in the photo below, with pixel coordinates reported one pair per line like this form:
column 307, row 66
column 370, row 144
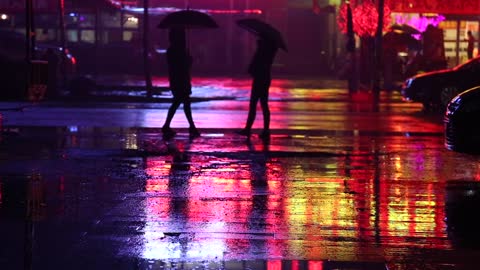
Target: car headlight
column 454, row 105
column 408, row 83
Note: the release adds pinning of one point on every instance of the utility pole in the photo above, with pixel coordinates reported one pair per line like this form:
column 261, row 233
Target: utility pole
column 146, row 58
column 61, row 22
column 352, row 77
column 28, row 30
column 378, row 56
column 28, row 43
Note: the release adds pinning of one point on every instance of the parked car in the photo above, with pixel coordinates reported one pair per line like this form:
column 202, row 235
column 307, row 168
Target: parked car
column 462, row 198
column 462, row 134
column 435, row 89
column 13, row 66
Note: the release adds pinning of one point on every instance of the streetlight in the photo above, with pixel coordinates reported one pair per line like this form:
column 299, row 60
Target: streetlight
column 378, row 55
column 146, row 60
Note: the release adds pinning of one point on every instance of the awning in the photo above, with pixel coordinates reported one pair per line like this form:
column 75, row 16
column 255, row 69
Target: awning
column 457, row 7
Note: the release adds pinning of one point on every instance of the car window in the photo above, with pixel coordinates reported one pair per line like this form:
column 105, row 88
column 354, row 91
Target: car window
column 469, row 101
column 471, row 106
column 473, row 64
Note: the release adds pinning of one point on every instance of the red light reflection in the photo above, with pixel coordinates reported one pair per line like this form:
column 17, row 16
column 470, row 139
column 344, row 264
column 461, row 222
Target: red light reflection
column 256, row 202
column 274, row 265
column 315, row 265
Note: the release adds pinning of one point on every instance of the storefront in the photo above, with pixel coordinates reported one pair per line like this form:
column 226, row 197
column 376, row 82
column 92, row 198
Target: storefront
column 107, row 35
column 454, row 17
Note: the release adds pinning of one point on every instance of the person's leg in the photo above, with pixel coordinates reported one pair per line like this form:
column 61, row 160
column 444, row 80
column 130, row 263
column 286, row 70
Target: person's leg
column 188, row 113
column 171, row 112
column 251, row 116
column 252, row 112
column 265, row 109
column 266, row 113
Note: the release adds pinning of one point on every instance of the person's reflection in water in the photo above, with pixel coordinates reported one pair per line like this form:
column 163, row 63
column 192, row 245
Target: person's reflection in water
column 178, row 182
column 257, row 219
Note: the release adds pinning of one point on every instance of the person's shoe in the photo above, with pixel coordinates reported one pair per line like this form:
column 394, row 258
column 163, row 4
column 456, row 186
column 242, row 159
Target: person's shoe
column 168, row 132
column 265, row 134
column 194, row 133
column 244, row 132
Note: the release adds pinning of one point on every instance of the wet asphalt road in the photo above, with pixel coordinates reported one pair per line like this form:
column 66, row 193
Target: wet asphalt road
column 93, row 185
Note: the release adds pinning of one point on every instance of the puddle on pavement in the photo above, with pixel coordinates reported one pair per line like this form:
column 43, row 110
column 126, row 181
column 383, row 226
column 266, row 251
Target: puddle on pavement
column 268, row 265
column 163, row 202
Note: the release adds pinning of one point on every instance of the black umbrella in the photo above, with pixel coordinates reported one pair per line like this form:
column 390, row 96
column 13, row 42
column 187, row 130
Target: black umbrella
column 188, row 19
column 263, row 30
column 396, row 40
column 405, row 28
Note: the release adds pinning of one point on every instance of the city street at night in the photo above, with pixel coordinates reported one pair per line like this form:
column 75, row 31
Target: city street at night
column 341, row 184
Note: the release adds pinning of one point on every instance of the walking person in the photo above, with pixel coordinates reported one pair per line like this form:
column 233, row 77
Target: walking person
column 179, row 64
column 471, row 44
column 260, row 70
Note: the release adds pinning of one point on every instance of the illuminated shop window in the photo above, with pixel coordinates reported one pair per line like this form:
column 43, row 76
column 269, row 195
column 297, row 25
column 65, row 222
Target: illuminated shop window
column 74, row 19
column 111, row 20
column 130, row 21
column 127, row 35
column 72, row 35
column 87, row 36
column 86, row 20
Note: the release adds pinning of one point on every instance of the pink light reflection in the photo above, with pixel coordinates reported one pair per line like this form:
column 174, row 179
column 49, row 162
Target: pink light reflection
column 418, row 22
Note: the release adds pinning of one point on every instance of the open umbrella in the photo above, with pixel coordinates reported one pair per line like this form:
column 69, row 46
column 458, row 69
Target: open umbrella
column 188, row 19
column 396, row 40
column 405, row 28
column 263, row 30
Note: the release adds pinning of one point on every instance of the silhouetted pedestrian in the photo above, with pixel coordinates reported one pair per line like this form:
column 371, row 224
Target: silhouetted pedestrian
column 260, row 70
column 471, row 44
column 179, row 64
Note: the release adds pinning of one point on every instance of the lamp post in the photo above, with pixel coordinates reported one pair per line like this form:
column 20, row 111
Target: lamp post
column 146, row 60
column 352, row 80
column 61, row 22
column 378, row 55
column 28, row 43
column 28, row 30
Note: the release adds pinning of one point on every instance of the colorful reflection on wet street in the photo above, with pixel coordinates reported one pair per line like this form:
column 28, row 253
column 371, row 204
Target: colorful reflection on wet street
column 375, row 189
column 224, row 198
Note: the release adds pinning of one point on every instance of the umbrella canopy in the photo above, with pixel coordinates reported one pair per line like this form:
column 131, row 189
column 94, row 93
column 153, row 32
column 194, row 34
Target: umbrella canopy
column 405, row 28
column 188, row 19
column 399, row 41
column 263, row 30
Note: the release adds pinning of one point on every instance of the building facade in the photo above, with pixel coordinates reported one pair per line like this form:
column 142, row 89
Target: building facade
column 106, row 35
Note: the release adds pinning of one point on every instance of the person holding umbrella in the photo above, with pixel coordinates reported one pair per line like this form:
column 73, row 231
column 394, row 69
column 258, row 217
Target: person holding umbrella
column 179, row 63
column 471, row 44
column 269, row 40
column 260, row 70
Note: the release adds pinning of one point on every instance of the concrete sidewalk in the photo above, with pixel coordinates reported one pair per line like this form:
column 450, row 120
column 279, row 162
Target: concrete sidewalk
column 133, row 89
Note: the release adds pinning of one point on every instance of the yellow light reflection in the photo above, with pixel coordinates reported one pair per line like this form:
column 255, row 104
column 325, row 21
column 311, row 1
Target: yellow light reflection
column 312, row 217
column 131, row 141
